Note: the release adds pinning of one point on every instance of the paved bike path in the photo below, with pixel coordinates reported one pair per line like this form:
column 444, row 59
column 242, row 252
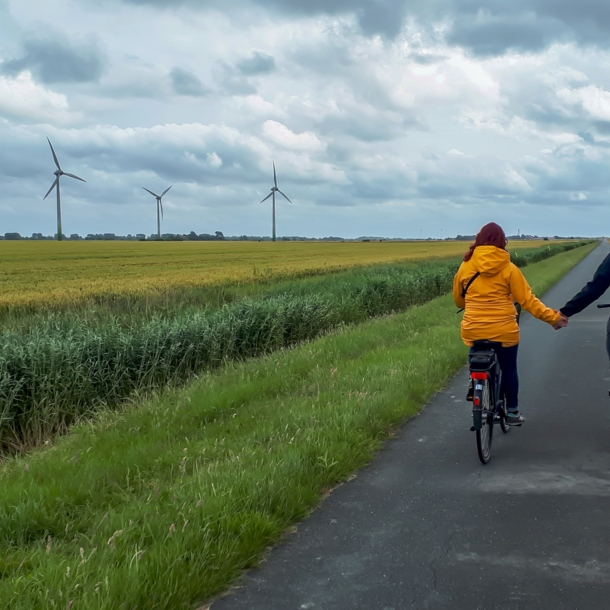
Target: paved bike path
column 427, row 526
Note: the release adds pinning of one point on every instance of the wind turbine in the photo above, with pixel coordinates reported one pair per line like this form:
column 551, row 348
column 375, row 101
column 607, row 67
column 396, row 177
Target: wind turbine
column 274, row 189
column 159, row 207
column 55, row 184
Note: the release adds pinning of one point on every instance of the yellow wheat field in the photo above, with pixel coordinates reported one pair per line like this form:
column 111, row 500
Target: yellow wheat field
column 36, row 273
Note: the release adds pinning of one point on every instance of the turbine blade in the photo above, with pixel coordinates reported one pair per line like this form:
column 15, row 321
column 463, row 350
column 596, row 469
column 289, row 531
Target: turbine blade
column 73, row 176
column 153, row 194
column 267, row 197
column 161, row 206
column 54, row 155
column 52, row 187
column 280, row 192
column 274, row 176
column 167, row 189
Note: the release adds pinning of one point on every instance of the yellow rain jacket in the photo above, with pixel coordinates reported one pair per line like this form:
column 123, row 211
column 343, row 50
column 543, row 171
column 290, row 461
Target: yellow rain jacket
column 489, row 312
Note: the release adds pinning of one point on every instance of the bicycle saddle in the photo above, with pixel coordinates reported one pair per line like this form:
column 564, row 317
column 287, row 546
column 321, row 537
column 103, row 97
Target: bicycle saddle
column 485, row 345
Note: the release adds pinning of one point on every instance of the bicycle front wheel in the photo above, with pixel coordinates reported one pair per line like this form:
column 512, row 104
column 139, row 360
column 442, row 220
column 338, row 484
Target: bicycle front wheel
column 484, row 424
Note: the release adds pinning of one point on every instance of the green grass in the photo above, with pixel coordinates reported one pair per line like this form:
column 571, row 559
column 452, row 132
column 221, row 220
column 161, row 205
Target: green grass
column 162, row 506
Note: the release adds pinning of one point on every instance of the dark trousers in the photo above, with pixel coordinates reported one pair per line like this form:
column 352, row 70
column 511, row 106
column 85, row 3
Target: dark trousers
column 507, row 357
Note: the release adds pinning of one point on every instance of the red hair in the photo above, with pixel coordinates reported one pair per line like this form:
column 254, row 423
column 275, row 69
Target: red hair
column 491, row 234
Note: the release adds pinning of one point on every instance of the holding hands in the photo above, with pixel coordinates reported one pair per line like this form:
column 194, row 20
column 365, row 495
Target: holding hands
column 563, row 322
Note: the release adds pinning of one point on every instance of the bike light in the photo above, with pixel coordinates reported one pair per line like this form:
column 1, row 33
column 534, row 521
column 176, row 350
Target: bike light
column 475, row 375
column 476, row 402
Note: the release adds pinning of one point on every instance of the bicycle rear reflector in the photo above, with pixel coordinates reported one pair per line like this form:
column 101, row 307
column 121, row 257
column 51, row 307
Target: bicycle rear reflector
column 478, row 375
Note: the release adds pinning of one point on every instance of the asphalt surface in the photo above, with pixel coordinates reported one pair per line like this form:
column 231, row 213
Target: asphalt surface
column 427, row 526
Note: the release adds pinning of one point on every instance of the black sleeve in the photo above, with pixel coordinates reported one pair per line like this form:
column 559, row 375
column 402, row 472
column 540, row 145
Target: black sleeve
column 591, row 292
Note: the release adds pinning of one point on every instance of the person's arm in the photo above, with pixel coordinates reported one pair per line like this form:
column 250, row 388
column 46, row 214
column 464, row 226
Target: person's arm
column 457, row 290
column 591, row 292
column 522, row 293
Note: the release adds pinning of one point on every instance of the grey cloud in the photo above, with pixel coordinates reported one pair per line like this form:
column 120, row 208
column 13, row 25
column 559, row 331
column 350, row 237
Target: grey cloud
column 186, row 83
column 426, row 58
column 144, row 89
column 493, row 27
column 587, row 20
column 367, row 127
column 259, row 63
column 567, row 172
column 602, row 127
column 10, row 30
column 231, row 80
column 56, row 60
column 331, row 56
column 136, row 78
column 170, row 160
column 375, row 16
column 494, row 35
column 584, row 16
column 25, row 160
column 383, row 17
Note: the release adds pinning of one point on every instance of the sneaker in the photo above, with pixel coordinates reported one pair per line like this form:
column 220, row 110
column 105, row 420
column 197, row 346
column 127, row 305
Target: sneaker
column 514, row 418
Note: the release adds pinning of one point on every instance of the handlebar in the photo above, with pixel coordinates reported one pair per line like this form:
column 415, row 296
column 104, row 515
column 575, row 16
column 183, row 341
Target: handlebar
column 603, row 305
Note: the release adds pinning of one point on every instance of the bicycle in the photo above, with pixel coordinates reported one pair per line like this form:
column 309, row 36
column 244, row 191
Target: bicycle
column 487, row 405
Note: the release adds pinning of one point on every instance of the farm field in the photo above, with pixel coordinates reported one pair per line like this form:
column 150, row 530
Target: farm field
column 52, row 273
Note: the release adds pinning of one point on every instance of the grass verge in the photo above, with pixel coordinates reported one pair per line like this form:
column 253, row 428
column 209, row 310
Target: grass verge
column 162, row 506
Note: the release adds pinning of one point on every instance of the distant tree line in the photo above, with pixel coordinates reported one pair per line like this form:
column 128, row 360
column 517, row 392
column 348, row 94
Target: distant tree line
column 515, row 237
column 219, row 236
column 192, row 236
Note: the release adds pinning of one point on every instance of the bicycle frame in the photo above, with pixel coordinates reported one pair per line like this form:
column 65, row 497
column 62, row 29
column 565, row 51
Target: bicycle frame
column 484, row 369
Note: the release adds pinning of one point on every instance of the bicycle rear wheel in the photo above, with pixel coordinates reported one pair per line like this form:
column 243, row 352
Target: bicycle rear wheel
column 483, row 421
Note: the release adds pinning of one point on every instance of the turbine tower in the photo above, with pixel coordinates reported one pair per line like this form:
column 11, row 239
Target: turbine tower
column 58, row 174
column 274, row 189
column 159, row 207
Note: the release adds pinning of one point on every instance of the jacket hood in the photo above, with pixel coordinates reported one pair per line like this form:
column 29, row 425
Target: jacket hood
column 489, row 260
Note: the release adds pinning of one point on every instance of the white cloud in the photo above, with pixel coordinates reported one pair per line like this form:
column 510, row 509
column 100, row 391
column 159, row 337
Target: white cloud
column 22, row 99
column 515, row 179
column 214, row 160
column 281, row 135
column 594, row 100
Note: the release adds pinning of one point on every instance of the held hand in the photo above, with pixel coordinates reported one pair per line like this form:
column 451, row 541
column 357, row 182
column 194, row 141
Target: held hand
column 562, row 323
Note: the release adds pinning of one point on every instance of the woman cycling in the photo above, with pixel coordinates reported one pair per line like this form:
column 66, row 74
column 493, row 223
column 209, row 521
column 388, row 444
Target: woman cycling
column 486, row 286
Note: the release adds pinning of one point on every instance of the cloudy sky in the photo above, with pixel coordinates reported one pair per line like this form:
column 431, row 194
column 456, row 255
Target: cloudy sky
column 384, row 117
